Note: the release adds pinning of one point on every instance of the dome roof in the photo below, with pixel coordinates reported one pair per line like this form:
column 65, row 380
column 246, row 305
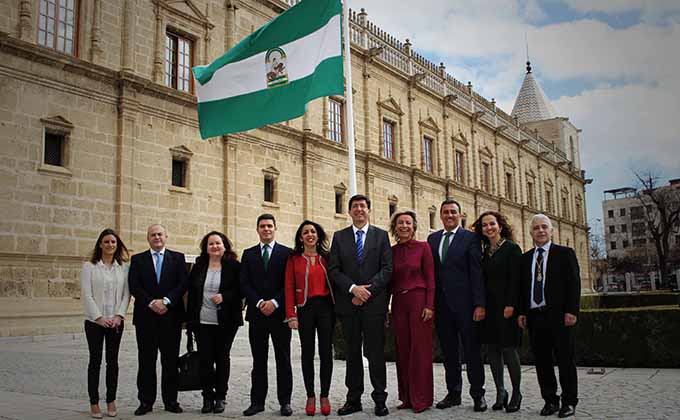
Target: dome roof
column 531, row 103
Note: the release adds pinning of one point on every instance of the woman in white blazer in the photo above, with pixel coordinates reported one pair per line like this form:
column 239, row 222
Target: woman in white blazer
column 105, row 295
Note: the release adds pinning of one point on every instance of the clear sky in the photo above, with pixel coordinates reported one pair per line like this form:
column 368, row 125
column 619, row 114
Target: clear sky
column 611, row 66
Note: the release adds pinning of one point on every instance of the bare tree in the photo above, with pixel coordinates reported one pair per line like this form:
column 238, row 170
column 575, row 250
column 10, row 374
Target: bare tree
column 599, row 263
column 662, row 215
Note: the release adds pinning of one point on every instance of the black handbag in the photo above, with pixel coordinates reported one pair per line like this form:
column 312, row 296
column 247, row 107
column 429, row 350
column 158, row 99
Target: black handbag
column 189, row 369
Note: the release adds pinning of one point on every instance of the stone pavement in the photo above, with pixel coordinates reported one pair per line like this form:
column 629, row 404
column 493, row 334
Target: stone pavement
column 44, row 378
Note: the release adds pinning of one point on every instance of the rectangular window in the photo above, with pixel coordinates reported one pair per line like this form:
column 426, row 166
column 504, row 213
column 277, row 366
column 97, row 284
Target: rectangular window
column 610, row 214
column 486, row 175
column 179, row 170
column 612, row 229
column 639, row 242
column 335, row 121
column 612, row 245
column 432, row 218
column 57, row 25
column 509, row 186
column 565, row 208
column 269, row 189
column 625, row 244
column 427, row 154
column 393, row 209
column 339, row 200
column 388, row 139
column 54, row 149
column 624, row 228
column 622, row 212
column 549, row 201
column 638, row 229
column 531, row 195
column 178, row 62
column 637, row 212
column 460, row 158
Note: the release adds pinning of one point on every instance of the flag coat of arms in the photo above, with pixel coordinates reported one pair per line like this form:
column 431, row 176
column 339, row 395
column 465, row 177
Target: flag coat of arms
column 270, row 75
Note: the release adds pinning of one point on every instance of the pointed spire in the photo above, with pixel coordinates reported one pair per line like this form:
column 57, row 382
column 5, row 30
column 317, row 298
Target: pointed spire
column 531, row 103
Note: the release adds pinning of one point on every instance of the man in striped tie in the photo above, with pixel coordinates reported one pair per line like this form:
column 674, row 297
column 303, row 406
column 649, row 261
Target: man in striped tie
column 360, row 266
column 549, row 305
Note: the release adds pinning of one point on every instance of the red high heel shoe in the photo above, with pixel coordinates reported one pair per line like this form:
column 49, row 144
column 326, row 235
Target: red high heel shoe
column 325, row 406
column 310, row 408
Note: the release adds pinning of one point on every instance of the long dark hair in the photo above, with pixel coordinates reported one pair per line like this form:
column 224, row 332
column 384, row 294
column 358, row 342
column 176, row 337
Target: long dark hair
column 506, row 229
column 120, row 256
column 229, row 253
column 321, row 243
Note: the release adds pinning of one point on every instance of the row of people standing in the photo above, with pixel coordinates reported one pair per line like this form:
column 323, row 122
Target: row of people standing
column 451, row 279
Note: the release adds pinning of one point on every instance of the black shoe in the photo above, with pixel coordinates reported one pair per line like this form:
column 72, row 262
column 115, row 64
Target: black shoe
column 501, row 400
column 515, row 403
column 381, row 409
column 286, row 411
column 143, row 409
column 173, row 407
column 252, row 410
column 349, row 408
column 449, row 401
column 549, row 409
column 208, row 405
column 480, row 404
column 219, row 406
column 566, row 411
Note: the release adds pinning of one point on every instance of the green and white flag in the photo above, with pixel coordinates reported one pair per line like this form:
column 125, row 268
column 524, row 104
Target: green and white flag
column 270, row 75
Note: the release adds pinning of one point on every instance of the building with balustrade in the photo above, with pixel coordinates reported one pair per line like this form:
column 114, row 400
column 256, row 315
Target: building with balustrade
column 99, row 129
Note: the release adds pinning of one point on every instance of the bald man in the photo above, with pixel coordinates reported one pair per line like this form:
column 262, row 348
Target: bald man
column 158, row 279
column 549, row 305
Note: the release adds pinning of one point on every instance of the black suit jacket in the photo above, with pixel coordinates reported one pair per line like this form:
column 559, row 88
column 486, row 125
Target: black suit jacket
column 256, row 283
column 562, row 290
column 376, row 269
column 458, row 279
column 229, row 313
column 144, row 288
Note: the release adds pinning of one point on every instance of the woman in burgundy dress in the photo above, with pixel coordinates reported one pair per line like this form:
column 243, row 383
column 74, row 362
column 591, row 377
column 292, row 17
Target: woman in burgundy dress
column 412, row 289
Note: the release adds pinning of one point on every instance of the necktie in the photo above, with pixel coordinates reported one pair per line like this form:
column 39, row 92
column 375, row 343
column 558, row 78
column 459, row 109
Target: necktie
column 445, row 245
column 360, row 246
column 159, row 266
column 538, row 277
column 265, row 257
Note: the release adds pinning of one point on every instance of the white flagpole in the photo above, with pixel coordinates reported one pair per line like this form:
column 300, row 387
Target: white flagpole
column 349, row 112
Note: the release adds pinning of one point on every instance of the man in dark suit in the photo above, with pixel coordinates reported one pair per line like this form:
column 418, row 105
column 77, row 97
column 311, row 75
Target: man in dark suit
column 158, row 279
column 263, row 271
column 549, row 304
column 459, row 304
column 360, row 265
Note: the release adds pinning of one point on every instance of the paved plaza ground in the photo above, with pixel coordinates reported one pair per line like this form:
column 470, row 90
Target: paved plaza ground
column 44, row 378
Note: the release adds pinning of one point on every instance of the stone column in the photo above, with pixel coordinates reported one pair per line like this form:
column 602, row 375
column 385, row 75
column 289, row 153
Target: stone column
column 26, row 30
column 129, row 29
column 230, row 24
column 158, row 70
column 95, row 46
column 126, row 184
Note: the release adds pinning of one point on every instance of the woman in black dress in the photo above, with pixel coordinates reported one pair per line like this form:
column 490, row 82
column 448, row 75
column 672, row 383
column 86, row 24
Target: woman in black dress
column 501, row 334
column 214, row 314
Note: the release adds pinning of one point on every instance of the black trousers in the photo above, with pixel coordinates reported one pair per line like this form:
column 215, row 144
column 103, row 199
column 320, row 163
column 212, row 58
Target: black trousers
column 96, row 336
column 317, row 318
column 214, row 345
column 259, row 332
column 549, row 336
column 160, row 334
column 450, row 326
column 368, row 329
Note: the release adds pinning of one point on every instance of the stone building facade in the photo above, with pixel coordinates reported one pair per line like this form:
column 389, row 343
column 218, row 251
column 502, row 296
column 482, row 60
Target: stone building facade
column 99, row 129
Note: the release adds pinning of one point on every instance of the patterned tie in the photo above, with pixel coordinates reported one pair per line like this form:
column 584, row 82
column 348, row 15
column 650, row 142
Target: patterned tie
column 265, row 257
column 159, row 266
column 445, row 245
column 360, row 246
column 538, row 277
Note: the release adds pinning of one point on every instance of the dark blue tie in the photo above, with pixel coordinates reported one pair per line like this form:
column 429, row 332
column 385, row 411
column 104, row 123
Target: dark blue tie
column 360, row 246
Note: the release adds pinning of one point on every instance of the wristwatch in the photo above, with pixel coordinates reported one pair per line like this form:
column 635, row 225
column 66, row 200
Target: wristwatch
column 166, row 301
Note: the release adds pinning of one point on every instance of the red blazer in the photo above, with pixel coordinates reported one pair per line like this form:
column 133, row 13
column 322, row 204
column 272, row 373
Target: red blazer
column 297, row 282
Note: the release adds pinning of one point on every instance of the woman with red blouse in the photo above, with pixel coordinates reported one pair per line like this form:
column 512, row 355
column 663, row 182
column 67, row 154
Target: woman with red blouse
column 310, row 308
column 412, row 289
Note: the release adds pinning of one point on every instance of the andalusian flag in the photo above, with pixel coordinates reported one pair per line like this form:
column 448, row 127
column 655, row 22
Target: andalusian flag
column 270, row 75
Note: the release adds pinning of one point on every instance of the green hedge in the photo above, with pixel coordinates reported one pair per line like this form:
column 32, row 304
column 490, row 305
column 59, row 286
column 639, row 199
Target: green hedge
column 625, row 337
column 629, row 300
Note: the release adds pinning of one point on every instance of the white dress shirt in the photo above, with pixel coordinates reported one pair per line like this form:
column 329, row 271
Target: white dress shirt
column 441, row 242
column 546, row 248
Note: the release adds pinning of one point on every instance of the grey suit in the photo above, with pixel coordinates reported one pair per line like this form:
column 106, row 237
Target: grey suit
column 366, row 322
